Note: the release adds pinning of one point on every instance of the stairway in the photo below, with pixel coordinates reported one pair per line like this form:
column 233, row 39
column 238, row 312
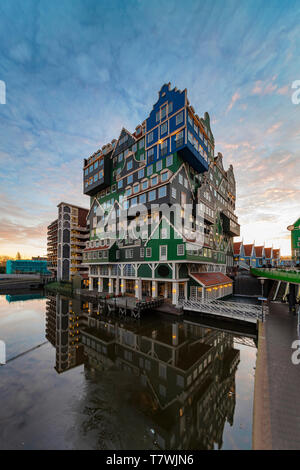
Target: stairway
column 280, row 292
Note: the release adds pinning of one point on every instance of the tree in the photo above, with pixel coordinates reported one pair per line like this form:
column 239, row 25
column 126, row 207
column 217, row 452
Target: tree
column 18, row 255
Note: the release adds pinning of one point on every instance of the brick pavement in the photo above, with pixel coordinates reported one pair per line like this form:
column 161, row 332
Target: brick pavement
column 276, row 423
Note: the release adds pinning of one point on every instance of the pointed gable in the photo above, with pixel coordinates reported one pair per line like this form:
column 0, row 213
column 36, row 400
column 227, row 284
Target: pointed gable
column 249, row 250
column 237, row 248
column 259, row 251
column 268, row 252
column 125, row 140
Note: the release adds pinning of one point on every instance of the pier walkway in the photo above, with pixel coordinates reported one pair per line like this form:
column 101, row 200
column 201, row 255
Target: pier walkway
column 231, row 310
column 276, row 423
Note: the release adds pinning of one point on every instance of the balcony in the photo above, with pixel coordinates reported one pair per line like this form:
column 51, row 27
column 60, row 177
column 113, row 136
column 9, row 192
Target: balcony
column 230, row 227
column 102, row 181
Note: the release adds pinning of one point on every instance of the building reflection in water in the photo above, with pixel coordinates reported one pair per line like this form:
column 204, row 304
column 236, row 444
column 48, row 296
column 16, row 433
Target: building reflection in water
column 187, row 370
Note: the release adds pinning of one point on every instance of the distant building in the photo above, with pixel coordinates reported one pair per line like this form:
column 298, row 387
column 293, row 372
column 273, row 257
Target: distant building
column 39, row 258
column 246, row 256
column 26, row 266
column 72, row 235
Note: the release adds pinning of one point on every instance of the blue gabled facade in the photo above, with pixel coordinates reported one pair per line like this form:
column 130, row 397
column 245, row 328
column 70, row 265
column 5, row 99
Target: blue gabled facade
column 171, row 128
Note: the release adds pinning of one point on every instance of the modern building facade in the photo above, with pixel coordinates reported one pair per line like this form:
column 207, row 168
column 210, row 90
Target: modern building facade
column 26, row 266
column 52, row 234
column 66, row 239
column 179, row 206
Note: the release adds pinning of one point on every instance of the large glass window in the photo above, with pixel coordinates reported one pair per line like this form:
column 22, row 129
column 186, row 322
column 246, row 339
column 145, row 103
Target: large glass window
column 141, row 173
column 129, row 179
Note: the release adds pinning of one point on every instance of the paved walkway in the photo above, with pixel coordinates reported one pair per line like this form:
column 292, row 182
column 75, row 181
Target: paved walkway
column 277, row 383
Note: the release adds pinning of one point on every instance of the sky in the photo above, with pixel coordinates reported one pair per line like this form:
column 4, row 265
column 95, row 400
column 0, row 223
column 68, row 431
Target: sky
column 77, row 71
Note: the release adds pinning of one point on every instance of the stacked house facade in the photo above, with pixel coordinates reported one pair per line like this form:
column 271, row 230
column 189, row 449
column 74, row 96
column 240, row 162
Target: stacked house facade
column 176, row 237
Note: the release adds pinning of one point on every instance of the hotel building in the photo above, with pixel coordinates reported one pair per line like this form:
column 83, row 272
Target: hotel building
column 169, row 160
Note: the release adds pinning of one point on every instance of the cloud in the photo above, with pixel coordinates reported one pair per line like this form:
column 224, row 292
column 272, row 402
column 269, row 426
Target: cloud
column 274, row 128
column 235, row 97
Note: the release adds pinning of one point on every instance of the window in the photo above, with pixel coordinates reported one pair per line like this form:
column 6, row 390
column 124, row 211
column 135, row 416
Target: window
column 91, row 168
column 142, row 157
column 170, row 107
column 190, row 120
column 150, row 137
column 145, row 184
column 129, row 165
column 163, row 252
column 169, row 161
column 142, row 252
column 179, row 118
column 128, row 192
column 148, row 252
column 174, row 193
column 179, row 139
column 158, row 116
column 162, row 192
column 142, row 199
column 180, row 179
column 96, row 165
column 180, row 250
column 134, row 148
column 129, row 179
column 159, row 165
column 141, row 144
column 141, row 173
column 164, row 233
column 183, row 198
column 164, row 128
column 120, row 157
column 120, row 184
column 151, row 155
column 133, row 201
column 163, row 112
column 150, row 170
column 154, row 181
column 164, row 148
column 136, row 188
column 162, row 371
column 152, row 195
column 129, row 253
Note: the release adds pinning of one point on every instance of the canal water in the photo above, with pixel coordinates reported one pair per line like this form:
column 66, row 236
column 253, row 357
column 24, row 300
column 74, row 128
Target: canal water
column 78, row 378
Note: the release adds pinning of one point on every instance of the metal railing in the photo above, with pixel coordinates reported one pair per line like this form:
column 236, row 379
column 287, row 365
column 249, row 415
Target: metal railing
column 235, row 310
